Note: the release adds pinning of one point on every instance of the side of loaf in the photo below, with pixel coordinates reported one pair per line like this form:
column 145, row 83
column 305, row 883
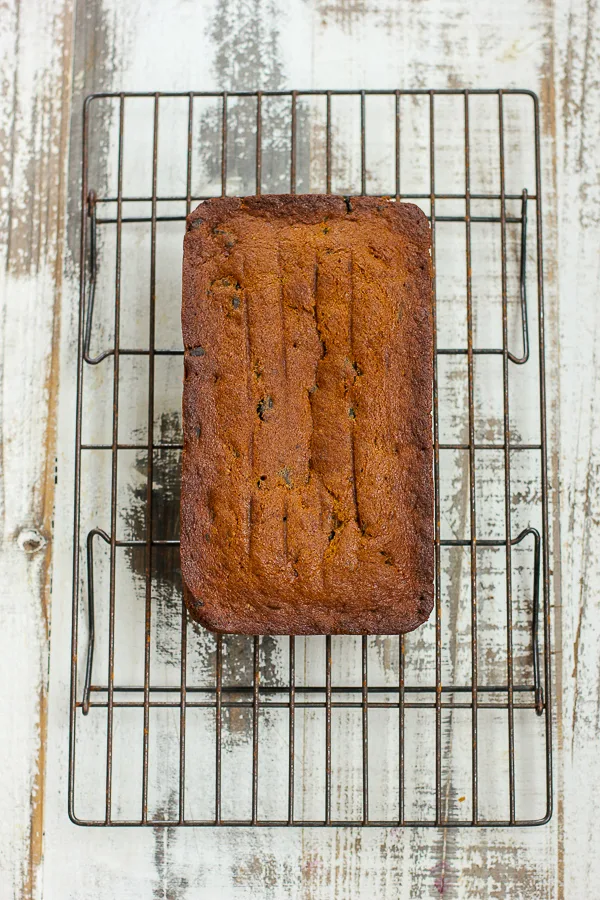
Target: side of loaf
column 307, row 482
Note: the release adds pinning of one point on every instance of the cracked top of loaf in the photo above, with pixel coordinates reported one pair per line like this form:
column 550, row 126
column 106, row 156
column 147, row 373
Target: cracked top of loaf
column 307, row 485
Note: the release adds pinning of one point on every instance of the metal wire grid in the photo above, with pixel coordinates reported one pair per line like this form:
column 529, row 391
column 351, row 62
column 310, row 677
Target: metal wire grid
column 220, row 696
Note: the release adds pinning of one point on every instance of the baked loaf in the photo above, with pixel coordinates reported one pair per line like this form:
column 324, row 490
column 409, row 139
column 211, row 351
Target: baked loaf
column 307, row 488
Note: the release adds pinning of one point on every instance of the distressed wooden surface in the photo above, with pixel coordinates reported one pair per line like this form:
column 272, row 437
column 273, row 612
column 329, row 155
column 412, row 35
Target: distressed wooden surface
column 55, row 53
column 35, row 50
column 578, row 273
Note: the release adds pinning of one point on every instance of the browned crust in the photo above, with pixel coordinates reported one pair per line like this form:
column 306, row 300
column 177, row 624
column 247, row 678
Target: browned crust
column 307, row 485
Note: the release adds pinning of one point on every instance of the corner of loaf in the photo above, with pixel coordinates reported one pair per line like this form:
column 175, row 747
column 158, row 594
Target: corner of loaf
column 307, row 482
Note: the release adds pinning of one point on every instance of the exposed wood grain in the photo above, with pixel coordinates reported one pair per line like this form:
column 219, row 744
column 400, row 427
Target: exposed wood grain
column 35, row 41
column 578, row 24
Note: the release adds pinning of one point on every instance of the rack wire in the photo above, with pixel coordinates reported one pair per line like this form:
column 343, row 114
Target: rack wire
column 402, row 723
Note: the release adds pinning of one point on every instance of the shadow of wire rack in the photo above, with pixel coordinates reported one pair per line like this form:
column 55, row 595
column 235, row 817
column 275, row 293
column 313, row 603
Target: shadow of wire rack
column 450, row 725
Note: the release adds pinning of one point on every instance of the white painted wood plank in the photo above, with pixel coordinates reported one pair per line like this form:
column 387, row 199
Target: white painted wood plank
column 318, row 846
column 578, row 690
column 35, row 44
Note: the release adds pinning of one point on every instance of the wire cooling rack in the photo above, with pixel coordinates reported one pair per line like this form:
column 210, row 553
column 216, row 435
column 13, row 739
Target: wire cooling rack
column 450, row 725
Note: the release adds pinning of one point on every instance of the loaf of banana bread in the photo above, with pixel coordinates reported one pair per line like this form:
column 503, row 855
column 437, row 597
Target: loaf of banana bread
column 307, row 485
